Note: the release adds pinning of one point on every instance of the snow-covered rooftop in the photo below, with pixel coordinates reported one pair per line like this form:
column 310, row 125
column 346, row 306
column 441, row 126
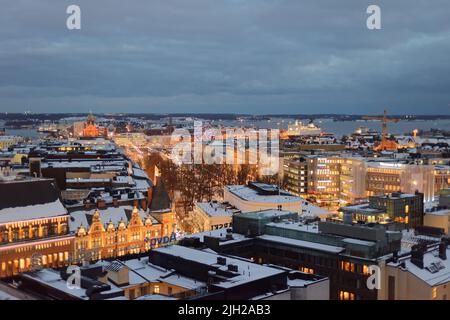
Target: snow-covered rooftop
column 301, row 243
column 52, row 278
column 249, row 194
column 221, row 233
column 309, row 209
column 430, row 258
column 247, row 271
column 113, row 214
column 6, row 296
column 359, row 242
column 215, row 209
column 295, row 225
column 32, row 212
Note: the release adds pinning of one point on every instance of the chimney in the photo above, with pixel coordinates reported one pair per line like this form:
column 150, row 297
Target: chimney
column 443, row 250
column 101, row 203
column 395, row 256
column 222, row 261
column 87, row 205
column 233, row 268
column 35, row 167
column 229, row 234
column 417, row 252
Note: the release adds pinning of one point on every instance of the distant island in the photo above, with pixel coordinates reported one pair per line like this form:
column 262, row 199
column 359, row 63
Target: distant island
column 31, row 119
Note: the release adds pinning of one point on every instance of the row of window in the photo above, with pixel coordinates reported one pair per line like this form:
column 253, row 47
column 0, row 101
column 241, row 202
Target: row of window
column 12, row 267
column 354, row 267
column 345, row 295
column 121, row 238
column 32, row 232
column 302, row 257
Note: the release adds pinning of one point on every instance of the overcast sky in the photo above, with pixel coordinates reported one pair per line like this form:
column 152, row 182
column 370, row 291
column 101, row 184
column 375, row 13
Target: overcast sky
column 224, row 56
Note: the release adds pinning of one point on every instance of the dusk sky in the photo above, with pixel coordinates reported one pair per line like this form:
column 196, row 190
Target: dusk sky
column 225, row 56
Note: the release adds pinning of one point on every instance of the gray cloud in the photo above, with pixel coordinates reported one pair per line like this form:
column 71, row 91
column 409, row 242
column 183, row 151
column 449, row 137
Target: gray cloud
column 251, row 56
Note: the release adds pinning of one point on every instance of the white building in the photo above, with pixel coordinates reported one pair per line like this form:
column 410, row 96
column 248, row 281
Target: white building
column 259, row 196
column 212, row 215
column 423, row 274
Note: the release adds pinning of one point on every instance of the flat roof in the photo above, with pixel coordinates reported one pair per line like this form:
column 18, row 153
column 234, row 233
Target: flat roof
column 215, row 209
column 247, row 271
column 302, row 243
column 264, row 214
column 295, row 225
column 248, row 194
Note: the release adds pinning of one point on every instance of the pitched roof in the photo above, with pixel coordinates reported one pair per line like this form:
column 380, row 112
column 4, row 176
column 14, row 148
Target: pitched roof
column 29, row 199
column 113, row 214
column 27, row 193
column 160, row 198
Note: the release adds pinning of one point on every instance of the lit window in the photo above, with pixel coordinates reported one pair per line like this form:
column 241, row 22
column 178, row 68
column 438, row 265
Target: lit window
column 306, row 270
column 156, row 289
column 348, row 266
column 345, row 295
column 434, row 293
column 366, row 269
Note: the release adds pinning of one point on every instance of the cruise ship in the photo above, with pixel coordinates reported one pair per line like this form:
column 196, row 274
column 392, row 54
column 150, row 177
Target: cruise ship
column 48, row 128
column 299, row 129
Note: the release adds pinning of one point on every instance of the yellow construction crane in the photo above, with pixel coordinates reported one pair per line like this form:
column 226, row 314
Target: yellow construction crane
column 385, row 143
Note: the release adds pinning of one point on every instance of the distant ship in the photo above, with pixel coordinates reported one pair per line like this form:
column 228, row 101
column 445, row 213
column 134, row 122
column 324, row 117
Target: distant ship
column 298, row 129
column 364, row 131
column 51, row 128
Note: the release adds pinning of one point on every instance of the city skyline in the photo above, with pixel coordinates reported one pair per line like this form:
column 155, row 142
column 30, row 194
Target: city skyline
column 251, row 57
column 225, row 158
column 147, row 208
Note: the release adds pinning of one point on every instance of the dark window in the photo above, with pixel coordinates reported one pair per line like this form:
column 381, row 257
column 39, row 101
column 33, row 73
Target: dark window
column 291, row 255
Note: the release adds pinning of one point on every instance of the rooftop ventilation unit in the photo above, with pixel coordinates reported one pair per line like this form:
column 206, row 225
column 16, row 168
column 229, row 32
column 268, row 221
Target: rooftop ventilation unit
column 233, row 268
column 435, row 267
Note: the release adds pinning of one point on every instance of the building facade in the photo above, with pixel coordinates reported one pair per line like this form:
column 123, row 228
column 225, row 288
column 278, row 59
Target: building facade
column 422, row 274
column 115, row 232
column 295, row 175
column 33, row 227
column 91, row 130
column 407, row 210
column 208, row 216
column 340, row 251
